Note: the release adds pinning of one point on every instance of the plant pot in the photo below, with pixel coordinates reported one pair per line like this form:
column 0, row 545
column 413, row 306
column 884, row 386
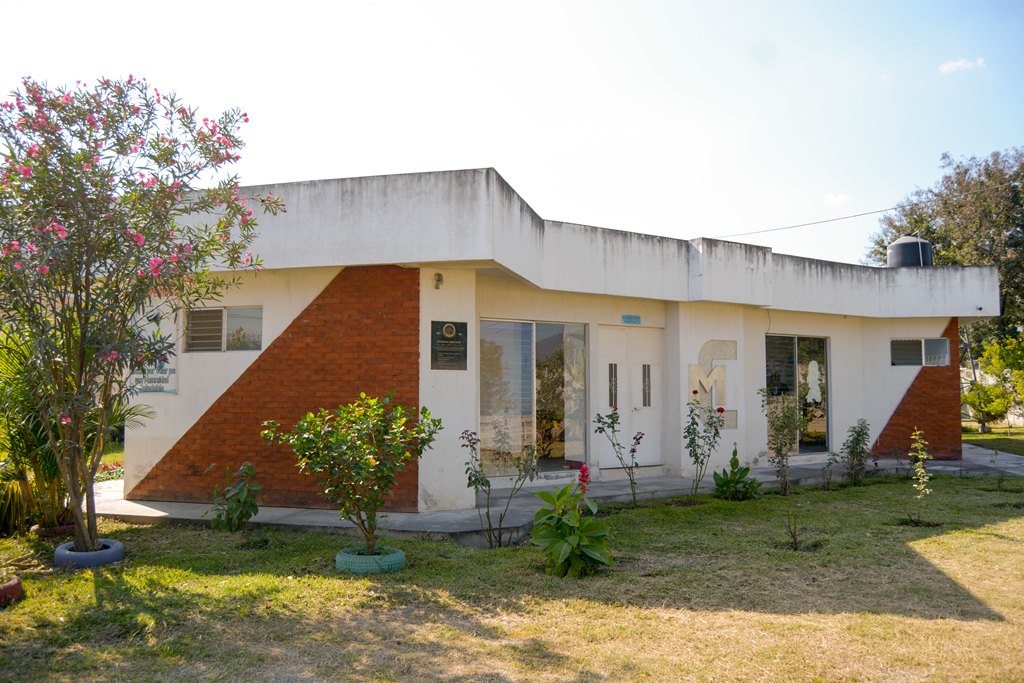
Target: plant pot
column 110, row 551
column 49, row 531
column 10, row 590
column 386, row 560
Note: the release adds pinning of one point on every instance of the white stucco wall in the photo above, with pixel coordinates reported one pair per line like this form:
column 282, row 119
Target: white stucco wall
column 475, row 216
column 203, row 377
column 452, row 395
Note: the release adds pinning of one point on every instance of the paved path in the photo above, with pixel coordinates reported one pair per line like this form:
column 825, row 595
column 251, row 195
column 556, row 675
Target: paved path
column 464, row 526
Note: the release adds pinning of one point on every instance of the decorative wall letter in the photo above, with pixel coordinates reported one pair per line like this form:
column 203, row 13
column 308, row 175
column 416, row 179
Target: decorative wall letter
column 708, row 380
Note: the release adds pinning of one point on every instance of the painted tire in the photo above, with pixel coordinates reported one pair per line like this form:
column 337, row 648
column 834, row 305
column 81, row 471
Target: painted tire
column 388, row 560
column 110, row 551
column 10, row 591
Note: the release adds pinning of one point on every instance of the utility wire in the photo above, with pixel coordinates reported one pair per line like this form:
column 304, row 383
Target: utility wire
column 858, row 215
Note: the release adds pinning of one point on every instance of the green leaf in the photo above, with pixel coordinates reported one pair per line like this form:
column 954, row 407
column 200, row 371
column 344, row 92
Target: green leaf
column 560, row 551
column 547, row 497
column 597, row 552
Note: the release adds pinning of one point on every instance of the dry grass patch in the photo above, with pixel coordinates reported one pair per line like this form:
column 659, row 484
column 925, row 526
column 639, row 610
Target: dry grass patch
column 706, row 592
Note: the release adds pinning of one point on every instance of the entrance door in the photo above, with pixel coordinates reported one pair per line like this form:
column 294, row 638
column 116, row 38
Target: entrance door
column 629, row 376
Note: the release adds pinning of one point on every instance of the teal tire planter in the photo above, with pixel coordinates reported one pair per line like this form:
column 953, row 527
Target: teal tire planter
column 386, row 560
column 110, row 551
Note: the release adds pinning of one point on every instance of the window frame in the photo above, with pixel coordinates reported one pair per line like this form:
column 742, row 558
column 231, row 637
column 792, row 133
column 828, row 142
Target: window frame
column 923, row 356
column 224, row 312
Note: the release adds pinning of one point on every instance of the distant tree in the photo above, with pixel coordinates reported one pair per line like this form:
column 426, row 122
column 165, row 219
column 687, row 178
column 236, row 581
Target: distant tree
column 116, row 209
column 1003, row 360
column 974, row 215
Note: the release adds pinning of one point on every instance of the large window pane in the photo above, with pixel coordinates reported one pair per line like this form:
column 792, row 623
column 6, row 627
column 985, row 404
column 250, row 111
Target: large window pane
column 561, row 395
column 796, row 367
column 507, row 423
column 813, row 393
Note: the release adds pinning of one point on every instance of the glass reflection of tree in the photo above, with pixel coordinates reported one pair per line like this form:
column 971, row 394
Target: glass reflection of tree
column 551, row 405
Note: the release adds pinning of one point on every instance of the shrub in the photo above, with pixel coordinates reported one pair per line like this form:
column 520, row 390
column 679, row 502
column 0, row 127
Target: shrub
column 235, row 504
column 477, row 479
column 356, row 452
column 573, row 541
column 856, row 450
column 733, row 483
column 609, row 426
column 785, row 422
column 701, row 434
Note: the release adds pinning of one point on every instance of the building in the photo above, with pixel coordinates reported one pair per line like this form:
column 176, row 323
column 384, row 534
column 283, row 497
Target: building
column 449, row 290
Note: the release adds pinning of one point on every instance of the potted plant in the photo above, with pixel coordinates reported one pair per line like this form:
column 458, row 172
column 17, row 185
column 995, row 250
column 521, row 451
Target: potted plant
column 356, row 452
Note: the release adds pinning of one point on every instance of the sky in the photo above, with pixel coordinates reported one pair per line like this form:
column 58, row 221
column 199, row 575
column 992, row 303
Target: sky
column 684, row 119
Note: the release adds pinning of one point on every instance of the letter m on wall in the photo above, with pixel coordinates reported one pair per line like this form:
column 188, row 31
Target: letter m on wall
column 708, row 379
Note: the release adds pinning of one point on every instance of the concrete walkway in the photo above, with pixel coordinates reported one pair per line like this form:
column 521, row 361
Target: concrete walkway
column 463, row 526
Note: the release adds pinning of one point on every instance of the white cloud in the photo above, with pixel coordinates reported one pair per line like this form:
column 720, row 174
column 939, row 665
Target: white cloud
column 835, row 199
column 947, row 68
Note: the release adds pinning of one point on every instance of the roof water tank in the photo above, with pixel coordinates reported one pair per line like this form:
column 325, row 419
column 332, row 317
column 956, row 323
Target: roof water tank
column 909, row 250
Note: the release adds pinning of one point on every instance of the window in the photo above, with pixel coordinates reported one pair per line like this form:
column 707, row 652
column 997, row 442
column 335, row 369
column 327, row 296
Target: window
column 224, row 329
column 532, row 394
column 797, row 368
column 928, row 352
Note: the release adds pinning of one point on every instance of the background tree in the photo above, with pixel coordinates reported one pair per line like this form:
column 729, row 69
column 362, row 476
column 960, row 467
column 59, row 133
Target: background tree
column 974, row 215
column 116, row 207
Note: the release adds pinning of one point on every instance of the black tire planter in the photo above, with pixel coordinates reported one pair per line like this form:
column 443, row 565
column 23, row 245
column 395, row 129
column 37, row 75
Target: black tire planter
column 10, row 591
column 386, row 560
column 110, row 551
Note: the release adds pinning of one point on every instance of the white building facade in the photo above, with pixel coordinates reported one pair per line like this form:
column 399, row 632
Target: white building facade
column 448, row 289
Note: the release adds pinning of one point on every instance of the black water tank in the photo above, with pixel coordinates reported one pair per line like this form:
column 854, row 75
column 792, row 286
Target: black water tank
column 909, row 250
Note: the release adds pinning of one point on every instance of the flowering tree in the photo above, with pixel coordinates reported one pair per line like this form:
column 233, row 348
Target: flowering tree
column 117, row 209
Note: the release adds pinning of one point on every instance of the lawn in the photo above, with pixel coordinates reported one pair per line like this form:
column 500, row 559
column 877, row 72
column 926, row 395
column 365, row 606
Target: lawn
column 701, row 592
column 999, row 439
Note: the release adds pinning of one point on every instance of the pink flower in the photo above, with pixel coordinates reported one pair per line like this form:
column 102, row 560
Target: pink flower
column 17, row 265
column 65, row 419
column 154, row 265
column 25, row 171
column 139, row 238
column 584, row 477
column 15, row 245
column 45, row 270
column 61, row 231
column 31, row 248
column 112, row 355
column 615, row 409
column 86, row 167
column 33, row 150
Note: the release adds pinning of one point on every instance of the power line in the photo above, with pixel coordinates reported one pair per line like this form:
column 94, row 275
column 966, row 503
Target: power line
column 858, row 215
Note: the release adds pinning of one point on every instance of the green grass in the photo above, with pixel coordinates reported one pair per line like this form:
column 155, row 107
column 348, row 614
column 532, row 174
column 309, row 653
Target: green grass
column 999, row 439
column 113, row 453
column 700, row 592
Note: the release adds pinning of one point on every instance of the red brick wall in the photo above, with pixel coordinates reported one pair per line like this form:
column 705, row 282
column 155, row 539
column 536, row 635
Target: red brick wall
column 931, row 404
column 360, row 334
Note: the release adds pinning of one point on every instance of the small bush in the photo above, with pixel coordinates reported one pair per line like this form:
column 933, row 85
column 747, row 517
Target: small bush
column 856, row 450
column 733, row 483
column 573, row 540
column 235, row 504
